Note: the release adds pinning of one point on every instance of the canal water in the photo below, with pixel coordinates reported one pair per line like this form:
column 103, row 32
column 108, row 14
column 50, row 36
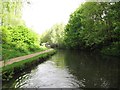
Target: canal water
column 71, row 69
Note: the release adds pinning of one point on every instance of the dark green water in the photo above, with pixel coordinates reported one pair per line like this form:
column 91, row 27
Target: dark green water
column 71, row 69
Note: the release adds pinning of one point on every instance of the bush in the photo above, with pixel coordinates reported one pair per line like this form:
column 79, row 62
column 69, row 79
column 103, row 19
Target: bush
column 113, row 49
column 18, row 41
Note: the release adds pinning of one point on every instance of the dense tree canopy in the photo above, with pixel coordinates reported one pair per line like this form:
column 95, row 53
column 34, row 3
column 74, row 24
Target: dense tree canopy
column 95, row 25
column 92, row 26
column 17, row 39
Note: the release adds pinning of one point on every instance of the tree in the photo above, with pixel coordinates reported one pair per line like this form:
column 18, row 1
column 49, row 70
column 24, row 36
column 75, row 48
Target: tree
column 54, row 36
column 10, row 13
column 94, row 25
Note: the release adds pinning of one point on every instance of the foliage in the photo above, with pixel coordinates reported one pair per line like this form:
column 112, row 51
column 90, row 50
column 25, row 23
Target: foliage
column 10, row 13
column 18, row 40
column 54, row 36
column 0, row 45
column 113, row 49
column 94, row 25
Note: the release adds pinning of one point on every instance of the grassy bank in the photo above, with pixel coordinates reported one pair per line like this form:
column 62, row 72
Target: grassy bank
column 18, row 67
column 11, row 51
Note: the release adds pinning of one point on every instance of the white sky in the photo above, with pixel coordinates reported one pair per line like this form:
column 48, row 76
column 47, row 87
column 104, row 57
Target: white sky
column 43, row 14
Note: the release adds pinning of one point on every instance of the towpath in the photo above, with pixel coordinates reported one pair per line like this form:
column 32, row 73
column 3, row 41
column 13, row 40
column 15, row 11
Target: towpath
column 17, row 59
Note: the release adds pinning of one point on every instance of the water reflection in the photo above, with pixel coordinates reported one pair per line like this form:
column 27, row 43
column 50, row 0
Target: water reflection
column 94, row 70
column 72, row 69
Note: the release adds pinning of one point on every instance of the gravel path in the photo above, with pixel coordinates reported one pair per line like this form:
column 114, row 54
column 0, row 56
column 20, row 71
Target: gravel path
column 17, row 59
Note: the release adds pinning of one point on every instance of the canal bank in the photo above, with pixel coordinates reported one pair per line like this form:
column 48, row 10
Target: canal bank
column 71, row 69
column 13, row 68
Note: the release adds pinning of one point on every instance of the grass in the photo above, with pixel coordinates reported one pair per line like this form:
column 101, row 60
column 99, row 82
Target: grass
column 11, row 51
column 10, row 70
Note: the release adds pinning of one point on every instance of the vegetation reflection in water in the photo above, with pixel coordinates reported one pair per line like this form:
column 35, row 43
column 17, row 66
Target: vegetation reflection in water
column 72, row 69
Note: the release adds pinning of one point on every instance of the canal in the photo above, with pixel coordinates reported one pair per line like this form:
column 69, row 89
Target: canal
column 71, row 69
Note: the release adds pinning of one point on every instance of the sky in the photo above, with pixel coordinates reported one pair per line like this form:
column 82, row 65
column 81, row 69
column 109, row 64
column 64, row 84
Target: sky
column 41, row 15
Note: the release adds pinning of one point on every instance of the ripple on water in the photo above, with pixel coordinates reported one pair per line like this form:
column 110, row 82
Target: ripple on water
column 71, row 69
column 48, row 75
